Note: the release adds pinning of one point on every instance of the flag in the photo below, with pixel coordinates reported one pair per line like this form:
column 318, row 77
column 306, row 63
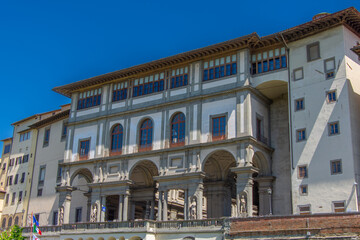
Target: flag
column 103, row 208
column 35, row 221
column 35, row 237
column 36, row 229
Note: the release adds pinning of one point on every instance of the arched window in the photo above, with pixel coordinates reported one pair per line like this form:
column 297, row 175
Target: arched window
column 116, row 139
column 10, row 222
column 146, row 130
column 16, row 221
column 178, row 130
column 3, row 224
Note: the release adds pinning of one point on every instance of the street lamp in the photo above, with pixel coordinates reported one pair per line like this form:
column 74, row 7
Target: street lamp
column 270, row 192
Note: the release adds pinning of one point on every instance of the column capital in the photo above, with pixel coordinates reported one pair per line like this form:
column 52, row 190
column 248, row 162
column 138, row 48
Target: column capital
column 245, row 170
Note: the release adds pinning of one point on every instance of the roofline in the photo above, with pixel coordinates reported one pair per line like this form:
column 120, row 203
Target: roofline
column 57, row 117
column 349, row 17
column 25, row 119
column 6, row 139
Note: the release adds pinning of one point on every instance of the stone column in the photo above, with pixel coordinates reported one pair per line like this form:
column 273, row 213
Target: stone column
column 152, row 209
column 120, row 213
column 165, row 206
column 199, row 202
column 265, row 201
column 244, row 195
column 147, row 211
column 126, row 207
column 64, row 203
column 102, row 213
column 160, row 206
column 186, row 204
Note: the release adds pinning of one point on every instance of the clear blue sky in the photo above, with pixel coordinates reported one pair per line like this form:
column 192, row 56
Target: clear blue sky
column 48, row 43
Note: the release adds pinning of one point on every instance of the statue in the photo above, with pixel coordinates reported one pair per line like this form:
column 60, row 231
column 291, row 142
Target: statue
column 198, row 161
column 61, row 215
column 193, row 208
column 93, row 215
column 243, row 207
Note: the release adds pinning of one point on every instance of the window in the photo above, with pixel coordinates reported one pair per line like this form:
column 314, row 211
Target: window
column 305, row 209
column 329, row 66
column 7, row 148
column 20, row 196
column 25, row 158
column 64, row 131
column 89, row 98
column 22, row 180
column 270, row 60
column 303, row 172
column 84, row 149
column 149, row 84
column 179, row 77
column 13, row 198
column 7, row 199
column 334, row 128
column 336, row 167
column 3, row 224
column 260, row 129
column 37, row 217
column 39, row 192
column 59, row 172
column 178, row 130
column 10, row 180
column 218, row 128
column 298, row 74
column 42, row 175
column 16, row 179
column 220, row 67
column 78, row 212
column 116, row 139
column 331, row 96
column 46, row 137
column 303, row 190
column 55, row 218
column 18, row 160
column 11, row 163
column 120, row 91
column 313, row 51
column 339, row 206
column 10, row 222
column 16, row 221
column 146, row 130
column 299, row 104
column 300, row 135
column 24, row 136
column 4, row 167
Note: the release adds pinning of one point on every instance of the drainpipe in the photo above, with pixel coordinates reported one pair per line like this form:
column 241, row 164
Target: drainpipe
column 290, row 118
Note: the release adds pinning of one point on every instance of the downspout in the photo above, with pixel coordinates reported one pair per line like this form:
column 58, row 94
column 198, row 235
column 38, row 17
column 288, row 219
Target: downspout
column 290, row 119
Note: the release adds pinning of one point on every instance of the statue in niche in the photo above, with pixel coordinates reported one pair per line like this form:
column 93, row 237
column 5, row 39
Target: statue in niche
column 61, row 215
column 193, row 208
column 198, row 161
column 243, row 205
column 94, row 211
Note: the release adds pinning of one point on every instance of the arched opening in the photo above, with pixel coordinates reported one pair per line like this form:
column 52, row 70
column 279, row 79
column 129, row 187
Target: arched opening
column 90, row 238
column 177, row 137
column 219, row 184
column 79, row 209
column 80, row 238
column 68, row 239
column 122, row 238
column 100, row 238
column 16, row 221
column 146, row 135
column 10, row 222
column 3, row 224
column 111, row 238
column 135, row 238
column 143, row 190
column 116, row 140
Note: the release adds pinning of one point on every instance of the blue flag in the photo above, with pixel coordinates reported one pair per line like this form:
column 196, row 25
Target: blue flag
column 35, row 221
column 103, row 208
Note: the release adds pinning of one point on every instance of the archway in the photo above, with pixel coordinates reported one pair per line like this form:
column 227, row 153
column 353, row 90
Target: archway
column 219, row 184
column 135, row 238
column 143, row 190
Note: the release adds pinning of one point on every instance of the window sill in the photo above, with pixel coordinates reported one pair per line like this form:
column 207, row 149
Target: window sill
column 176, row 88
column 216, row 79
column 272, row 71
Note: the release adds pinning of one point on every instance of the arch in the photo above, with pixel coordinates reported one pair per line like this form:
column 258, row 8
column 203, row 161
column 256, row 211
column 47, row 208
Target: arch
column 188, row 238
column 272, row 89
column 3, row 224
column 146, row 135
column 177, row 129
column 80, row 238
column 135, row 238
column 100, row 238
column 122, row 238
column 259, row 161
column 228, row 161
column 68, row 239
column 111, row 238
column 90, row 238
column 86, row 173
column 10, row 222
column 116, row 139
column 16, row 221
column 145, row 169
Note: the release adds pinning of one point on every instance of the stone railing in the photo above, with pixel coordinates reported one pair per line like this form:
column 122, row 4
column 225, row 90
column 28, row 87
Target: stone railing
column 47, row 229
column 190, row 223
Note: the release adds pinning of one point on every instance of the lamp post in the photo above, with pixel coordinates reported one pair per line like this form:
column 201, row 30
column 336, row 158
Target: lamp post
column 270, row 207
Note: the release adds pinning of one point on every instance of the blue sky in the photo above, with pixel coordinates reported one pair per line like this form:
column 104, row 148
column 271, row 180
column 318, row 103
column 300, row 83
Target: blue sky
column 48, row 43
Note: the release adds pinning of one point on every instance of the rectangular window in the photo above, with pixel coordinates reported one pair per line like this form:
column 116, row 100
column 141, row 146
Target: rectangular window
column 120, row 91
column 304, row 209
column 16, row 179
column 303, row 190
column 4, row 167
column 336, row 167
column 298, row 74
column 269, row 60
column 329, row 66
column 20, row 196
column 302, row 171
column 313, row 51
column 10, row 180
column 7, row 148
column 7, row 199
column 46, row 137
column 300, row 135
column 331, row 96
column 333, row 128
column 39, row 192
column 59, row 173
column 78, row 212
column 179, row 77
column 299, row 104
column 11, row 163
column 22, row 180
column 339, row 207
column 218, row 128
column 55, row 218
column 18, row 160
column 149, row 84
column 13, row 198
column 42, row 175
column 25, row 158
column 64, row 131
column 84, row 149
column 220, row 67
column 24, row 136
column 89, row 99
